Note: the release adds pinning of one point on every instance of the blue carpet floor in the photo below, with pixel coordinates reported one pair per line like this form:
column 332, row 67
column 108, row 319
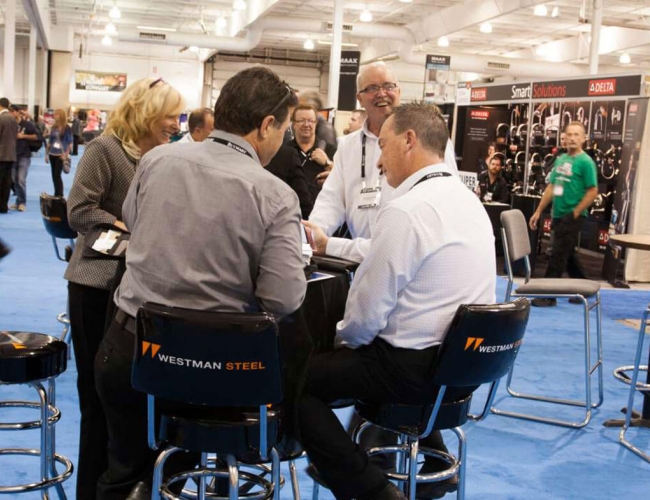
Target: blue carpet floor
column 507, row 458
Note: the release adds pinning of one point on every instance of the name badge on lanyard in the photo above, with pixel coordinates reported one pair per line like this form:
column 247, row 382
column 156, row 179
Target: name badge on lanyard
column 370, row 197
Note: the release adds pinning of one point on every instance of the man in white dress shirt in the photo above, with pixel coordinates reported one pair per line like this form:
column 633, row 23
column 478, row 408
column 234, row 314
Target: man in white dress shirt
column 432, row 250
column 355, row 190
column 200, row 125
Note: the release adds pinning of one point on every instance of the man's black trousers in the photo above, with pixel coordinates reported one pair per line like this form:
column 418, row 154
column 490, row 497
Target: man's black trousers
column 377, row 372
column 566, row 233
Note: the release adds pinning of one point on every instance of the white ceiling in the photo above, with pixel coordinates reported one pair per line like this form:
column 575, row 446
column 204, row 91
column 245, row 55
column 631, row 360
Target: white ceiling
column 516, row 31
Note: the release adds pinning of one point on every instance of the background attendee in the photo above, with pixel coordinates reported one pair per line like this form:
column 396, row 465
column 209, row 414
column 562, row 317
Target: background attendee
column 484, row 162
column 8, row 134
column 401, row 303
column 573, row 187
column 145, row 116
column 491, row 186
column 287, row 165
column 324, row 130
column 316, row 155
column 200, row 124
column 234, row 245
column 59, row 145
column 26, row 132
column 357, row 118
column 76, row 134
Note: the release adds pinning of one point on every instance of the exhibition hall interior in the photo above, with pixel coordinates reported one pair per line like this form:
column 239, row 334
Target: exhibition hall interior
column 480, row 335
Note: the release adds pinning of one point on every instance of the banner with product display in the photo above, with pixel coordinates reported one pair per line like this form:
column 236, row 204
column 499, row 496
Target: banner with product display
column 100, row 82
column 436, row 89
column 637, row 110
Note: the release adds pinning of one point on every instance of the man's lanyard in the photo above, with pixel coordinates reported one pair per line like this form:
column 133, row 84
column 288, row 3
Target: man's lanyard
column 432, row 175
column 363, row 157
column 231, row 145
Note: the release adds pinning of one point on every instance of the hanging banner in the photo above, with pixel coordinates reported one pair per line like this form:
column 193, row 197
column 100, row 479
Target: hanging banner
column 100, row 82
column 634, row 129
column 348, row 80
column 463, row 93
column 588, row 87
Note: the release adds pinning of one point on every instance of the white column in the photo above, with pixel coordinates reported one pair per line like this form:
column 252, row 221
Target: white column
column 595, row 36
column 9, row 48
column 44, row 80
column 31, row 84
column 335, row 55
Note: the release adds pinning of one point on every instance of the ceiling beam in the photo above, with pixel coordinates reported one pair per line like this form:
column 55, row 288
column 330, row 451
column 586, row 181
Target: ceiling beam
column 612, row 39
column 465, row 15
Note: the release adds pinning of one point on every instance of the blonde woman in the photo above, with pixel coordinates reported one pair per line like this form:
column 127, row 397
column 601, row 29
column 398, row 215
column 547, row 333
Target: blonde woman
column 59, row 145
column 146, row 116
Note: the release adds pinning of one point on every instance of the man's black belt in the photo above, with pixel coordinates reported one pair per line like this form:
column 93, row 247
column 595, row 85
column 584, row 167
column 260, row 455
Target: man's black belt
column 126, row 321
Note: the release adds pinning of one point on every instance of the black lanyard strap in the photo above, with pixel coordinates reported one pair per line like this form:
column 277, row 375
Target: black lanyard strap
column 231, row 145
column 363, row 156
column 432, row 175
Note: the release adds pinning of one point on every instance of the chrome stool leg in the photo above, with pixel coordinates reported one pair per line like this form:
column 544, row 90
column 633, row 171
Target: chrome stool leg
column 636, row 386
column 295, row 485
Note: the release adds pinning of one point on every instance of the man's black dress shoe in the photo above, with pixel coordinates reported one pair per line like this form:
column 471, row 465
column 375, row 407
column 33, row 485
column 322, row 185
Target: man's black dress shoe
column 141, row 491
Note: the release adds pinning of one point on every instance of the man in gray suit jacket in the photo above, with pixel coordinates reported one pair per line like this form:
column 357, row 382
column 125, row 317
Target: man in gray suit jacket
column 8, row 134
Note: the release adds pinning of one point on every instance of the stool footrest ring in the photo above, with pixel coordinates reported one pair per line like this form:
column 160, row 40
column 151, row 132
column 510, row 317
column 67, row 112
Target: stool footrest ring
column 454, row 464
column 621, row 376
column 55, row 415
column 266, row 493
column 40, row 485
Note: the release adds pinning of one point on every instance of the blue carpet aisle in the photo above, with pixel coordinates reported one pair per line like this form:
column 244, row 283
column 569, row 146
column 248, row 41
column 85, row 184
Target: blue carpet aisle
column 507, row 458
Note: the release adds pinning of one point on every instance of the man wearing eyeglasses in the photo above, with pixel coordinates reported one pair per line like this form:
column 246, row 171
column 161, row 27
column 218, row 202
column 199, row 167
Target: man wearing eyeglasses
column 355, row 190
column 315, row 155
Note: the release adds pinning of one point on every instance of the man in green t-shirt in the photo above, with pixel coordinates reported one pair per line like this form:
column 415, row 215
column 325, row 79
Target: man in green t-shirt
column 573, row 186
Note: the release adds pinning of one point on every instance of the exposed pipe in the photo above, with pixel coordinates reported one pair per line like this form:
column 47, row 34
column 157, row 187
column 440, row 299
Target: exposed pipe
column 510, row 65
column 255, row 30
column 595, row 36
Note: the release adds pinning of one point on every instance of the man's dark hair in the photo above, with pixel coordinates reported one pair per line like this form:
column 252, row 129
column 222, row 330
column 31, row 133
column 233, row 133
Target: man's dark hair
column 4, row 102
column 497, row 156
column 426, row 121
column 13, row 107
column 249, row 97
column 197, row 118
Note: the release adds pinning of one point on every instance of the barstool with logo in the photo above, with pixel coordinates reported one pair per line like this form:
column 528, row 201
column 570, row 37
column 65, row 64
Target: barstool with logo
column 35, row 359
column 55, row 219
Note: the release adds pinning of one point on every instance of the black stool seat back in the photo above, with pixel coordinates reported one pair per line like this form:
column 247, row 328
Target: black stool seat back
column 30, row 357
column 482, row 343
column 55, row 216
column 207, row 358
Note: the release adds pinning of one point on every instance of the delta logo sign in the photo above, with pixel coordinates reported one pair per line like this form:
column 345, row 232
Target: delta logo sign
column 478, row 114
column 602, row 87
column 154, row 350
column 479, row 94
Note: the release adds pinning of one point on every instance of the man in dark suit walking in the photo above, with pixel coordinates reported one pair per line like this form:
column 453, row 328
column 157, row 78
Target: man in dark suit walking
column 8, row 134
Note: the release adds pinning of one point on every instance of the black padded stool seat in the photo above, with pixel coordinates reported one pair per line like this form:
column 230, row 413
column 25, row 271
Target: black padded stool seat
column 411, row 419
column 233, row 432
column 30, row 357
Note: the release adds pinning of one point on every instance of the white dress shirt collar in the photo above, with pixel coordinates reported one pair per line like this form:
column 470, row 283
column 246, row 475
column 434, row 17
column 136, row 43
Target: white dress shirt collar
column 235, row 139
column 411, row 180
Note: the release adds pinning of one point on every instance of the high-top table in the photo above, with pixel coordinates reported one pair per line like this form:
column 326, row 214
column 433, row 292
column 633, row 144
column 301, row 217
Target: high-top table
column 638, row 242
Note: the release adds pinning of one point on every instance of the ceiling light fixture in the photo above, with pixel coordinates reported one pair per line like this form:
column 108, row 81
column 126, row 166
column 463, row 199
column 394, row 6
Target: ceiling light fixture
column 308, row 45
column 107, row 40
column 485, row 28
column 406, row 1
column 625, row 58
column 555, row 12
column 366, row 16
column 193, row 48
column 114, row 13
column 221, row 22
column 156, row 28
column 540, row 10
column 110, row 29
column 541, row 50
column 343, row 44
column 443, row 41
column 239, row 5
